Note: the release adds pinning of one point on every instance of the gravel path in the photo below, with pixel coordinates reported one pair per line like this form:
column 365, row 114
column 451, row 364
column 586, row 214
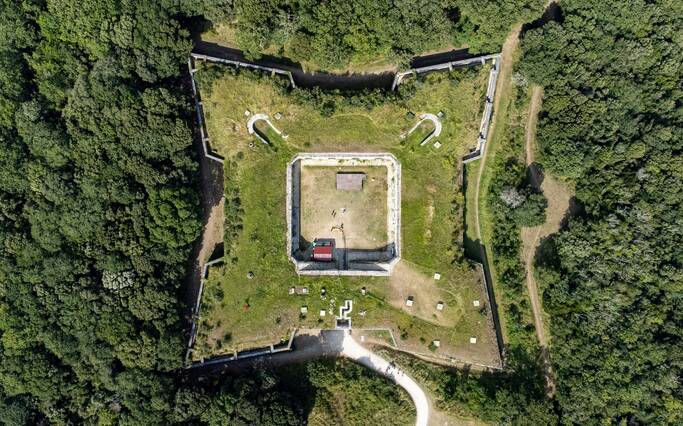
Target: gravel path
column 352, row 350
column 437, row 127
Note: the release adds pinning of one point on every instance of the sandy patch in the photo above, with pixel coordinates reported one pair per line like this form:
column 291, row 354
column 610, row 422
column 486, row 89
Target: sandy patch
column 363, row 214
column 407, row 280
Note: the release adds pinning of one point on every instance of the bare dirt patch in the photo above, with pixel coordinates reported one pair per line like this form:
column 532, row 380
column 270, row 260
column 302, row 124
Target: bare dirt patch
column 558, row 196
column 430, row 218
column 408, row 280
column 363, row 214
column 213, row 232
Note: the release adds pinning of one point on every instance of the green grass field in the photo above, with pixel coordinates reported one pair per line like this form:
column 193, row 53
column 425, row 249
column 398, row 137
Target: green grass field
column 240, row 313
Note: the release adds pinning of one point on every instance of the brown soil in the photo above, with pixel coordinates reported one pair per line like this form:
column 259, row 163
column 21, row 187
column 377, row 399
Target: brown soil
column 558, row 196
column 213, row 232
column 406, row 280
column 362, row 213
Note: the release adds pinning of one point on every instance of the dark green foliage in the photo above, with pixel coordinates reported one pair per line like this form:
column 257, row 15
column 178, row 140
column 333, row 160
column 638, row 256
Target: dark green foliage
column 515, row 397
column 97, row 179
column 513, row 204
column 502, row 399
column 333, row 33
column 364, row 393
column 16, row 411
column 612, row 122
column 328, row 101
column 346, row 393
column 97, row 176
column 98, row 209
column 339, row 392
column 532, row 211
column 485, row 23
column 512, row 199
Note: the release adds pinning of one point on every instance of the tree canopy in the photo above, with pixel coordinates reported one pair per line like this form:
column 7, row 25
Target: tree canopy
column 330, row 34
column 99, row 204
column 612, row 123
column 98, row 187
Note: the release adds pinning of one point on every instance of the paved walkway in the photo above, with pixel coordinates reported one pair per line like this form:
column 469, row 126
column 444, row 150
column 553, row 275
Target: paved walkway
column 353, row 350
column 328, row 343
column 262, row 117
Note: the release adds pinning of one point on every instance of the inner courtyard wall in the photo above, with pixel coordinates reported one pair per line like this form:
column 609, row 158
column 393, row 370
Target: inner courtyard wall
column 293, row 205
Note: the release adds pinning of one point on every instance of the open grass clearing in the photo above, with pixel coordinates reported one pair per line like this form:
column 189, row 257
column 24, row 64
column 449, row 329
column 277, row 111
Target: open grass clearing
column 241, row 313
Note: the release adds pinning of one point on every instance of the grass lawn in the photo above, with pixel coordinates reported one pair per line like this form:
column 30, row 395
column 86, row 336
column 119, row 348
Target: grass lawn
column 240, row 313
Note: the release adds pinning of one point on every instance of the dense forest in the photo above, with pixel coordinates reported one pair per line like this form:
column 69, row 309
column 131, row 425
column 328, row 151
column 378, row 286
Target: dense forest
column 612, row 122
column 330, row 34
column 98, row 209
column 99, row 204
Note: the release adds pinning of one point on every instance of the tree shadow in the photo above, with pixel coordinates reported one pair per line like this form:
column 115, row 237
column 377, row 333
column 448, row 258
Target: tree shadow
column 323, row 80
column 471, row 247
column 535, row 175
column 211, row 189
column 575, row 209
column 552, row 13
column 438, row 58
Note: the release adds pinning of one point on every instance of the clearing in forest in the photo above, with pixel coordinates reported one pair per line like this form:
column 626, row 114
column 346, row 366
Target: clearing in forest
column 256, row 297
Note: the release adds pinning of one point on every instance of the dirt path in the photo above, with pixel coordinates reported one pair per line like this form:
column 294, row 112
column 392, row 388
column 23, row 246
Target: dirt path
column 531, row 236
column 213, row 232
column 351, row 349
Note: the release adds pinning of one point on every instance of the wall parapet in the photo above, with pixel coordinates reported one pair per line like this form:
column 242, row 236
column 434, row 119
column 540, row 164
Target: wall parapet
column 352, row 159
column 387, row 266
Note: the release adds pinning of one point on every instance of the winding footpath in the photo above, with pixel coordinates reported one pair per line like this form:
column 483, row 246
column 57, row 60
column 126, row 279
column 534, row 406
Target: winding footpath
column 532, row 288
column 354, row 351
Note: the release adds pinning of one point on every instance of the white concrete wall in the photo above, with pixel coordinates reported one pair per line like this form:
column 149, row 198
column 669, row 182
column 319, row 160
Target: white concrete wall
column 349, row 159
